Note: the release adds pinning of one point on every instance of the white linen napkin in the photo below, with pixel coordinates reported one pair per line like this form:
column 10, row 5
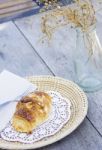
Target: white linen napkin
column 12, row 87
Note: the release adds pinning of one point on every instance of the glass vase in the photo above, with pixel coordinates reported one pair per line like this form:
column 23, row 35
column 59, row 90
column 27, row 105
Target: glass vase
column 88, row 60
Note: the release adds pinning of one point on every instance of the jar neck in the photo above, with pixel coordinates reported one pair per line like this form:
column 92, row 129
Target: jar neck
column 88, row 31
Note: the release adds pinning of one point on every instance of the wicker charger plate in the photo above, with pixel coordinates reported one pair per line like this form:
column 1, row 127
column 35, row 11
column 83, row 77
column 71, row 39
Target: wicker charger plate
column 79, row 106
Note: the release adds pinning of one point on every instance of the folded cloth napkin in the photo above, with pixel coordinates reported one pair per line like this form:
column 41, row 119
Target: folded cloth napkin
column 12, row 87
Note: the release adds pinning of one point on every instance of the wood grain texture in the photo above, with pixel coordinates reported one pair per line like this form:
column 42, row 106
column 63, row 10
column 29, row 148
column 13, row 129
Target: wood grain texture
column 12, row 14
column 12, row 8
column 16, row 8
column 58, row 54
column 17, row 55
column 58, row 51
column 82, row 139
column 10, row 3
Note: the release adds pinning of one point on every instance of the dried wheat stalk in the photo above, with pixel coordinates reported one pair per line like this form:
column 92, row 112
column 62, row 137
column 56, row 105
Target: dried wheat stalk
column 82, row 16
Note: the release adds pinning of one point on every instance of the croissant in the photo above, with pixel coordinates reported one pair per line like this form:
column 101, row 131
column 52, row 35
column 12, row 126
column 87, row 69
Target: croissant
column 31, row 111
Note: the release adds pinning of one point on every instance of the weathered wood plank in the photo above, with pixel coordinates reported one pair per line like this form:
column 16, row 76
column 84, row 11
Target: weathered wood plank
column 82, row 139
column 9, row 3
column 8, row 6
column 16, row 8
column 15, row 13
column 58, row 54
column 16, row 54
column 57, row 50
column 10, row 9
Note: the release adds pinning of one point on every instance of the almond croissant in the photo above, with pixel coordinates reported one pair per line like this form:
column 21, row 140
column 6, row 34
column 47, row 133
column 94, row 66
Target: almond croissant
column 31, row 111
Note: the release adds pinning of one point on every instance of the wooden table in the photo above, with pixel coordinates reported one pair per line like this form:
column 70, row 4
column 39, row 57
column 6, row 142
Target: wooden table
column 22, row 53
column 13, row 8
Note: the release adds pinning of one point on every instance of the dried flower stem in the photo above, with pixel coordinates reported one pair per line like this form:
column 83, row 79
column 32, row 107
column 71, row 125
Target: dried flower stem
column 82, row 16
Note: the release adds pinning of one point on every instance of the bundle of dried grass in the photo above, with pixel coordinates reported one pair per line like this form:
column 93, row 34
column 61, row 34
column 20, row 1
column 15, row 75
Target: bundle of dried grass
column 82, row 16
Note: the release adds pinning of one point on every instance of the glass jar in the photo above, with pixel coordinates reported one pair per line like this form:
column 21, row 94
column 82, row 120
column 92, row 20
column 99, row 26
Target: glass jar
column 88, row 60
